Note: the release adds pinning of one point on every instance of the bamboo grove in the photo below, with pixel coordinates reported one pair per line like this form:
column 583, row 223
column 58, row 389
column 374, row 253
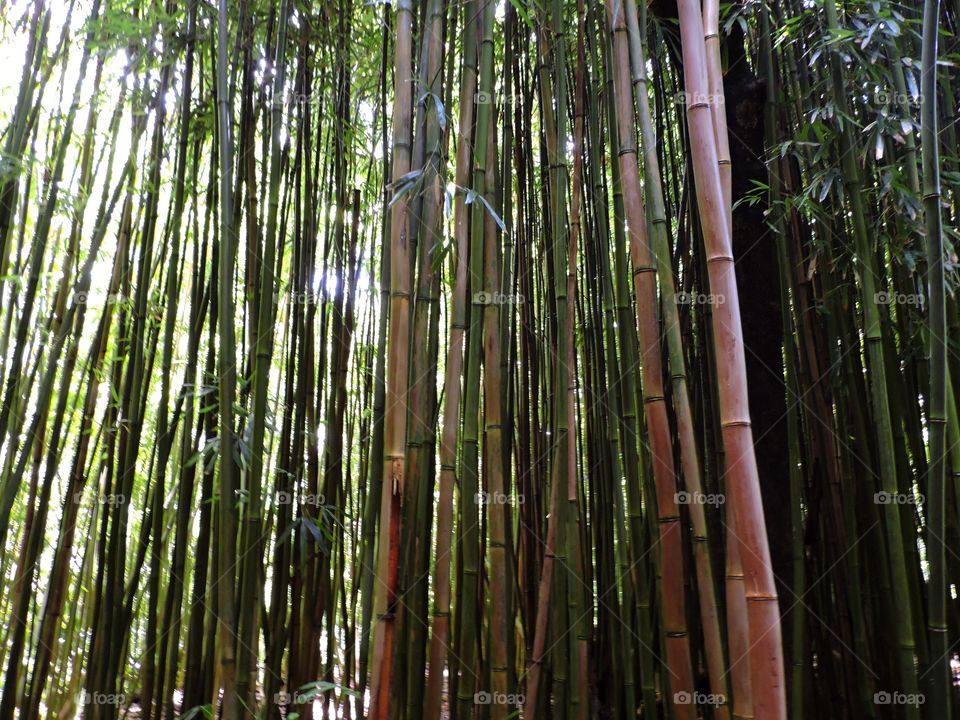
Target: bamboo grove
column 479, row 359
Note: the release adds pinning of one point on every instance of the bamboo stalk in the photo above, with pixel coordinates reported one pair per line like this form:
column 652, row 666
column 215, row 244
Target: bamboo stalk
column 766, row 652
column 395, row 417
column 940, row 676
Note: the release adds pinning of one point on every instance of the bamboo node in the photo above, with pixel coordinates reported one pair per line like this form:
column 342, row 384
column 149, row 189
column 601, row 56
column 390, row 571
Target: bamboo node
column 735, row 423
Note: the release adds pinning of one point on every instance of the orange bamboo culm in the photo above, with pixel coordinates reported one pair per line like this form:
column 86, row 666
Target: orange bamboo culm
column 395, row 417
column 673, row 605
column 711, row 40
column 736, row 598
column 742, row 480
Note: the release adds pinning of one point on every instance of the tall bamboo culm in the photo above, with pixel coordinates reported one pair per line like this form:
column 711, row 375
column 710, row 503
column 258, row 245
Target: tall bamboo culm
column 395, row 417
column 742, row 481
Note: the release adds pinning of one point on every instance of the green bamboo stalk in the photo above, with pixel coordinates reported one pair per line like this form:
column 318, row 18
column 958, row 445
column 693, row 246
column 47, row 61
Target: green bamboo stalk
column 229, row 704
column 939, row 674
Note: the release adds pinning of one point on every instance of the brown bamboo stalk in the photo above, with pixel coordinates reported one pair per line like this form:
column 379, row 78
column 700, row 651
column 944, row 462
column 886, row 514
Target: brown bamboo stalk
column 742, row 481
column 672, row 605
column 395, row 419
column 715, row 98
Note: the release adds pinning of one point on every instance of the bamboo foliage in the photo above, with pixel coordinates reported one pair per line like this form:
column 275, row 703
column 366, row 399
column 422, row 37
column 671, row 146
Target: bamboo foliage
column 422, row 359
